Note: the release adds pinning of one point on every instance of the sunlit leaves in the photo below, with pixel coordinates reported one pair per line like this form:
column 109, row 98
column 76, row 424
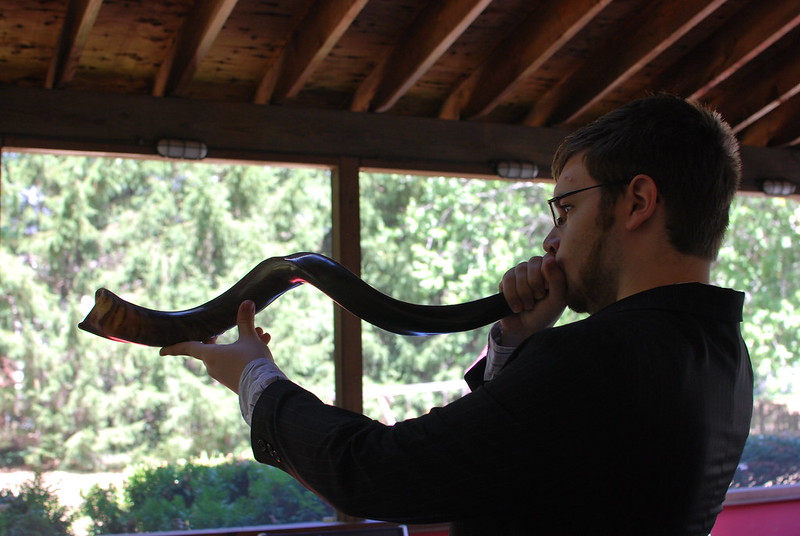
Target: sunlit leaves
column 162, row 234
column 169, row 235
column 761, row 256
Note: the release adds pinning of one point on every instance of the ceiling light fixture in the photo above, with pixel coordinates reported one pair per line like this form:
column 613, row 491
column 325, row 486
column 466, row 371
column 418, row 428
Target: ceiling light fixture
column 516, row 169
column 778, row 187
column 185, row 149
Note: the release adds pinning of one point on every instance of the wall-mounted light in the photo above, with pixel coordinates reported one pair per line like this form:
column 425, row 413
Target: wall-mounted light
column 778, row 187
column 186, row 149
column 516, row 169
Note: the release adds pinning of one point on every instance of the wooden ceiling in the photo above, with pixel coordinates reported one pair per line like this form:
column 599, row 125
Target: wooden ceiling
column 415, row 72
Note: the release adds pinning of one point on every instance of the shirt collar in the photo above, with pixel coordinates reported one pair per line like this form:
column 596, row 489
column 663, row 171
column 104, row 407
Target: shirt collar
column 695, row 298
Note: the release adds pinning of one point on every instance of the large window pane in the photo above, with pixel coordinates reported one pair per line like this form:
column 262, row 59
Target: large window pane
column 438, row 240
column 448, row 240
column 164, row 235
column 761, row 256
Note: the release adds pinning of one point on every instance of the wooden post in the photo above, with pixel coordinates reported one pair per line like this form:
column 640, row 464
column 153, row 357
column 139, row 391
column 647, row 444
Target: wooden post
column 347, row 352
column 347, row 251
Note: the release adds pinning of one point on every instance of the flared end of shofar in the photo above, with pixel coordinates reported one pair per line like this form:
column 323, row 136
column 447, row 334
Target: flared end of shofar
column 90, row 324
column 103, row 300
column 91, row 327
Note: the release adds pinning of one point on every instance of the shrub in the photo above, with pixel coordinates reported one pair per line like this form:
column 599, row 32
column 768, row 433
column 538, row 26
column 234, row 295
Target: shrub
column 769, row 460
column 193, row 496
column 102, row 507
column 35, row 510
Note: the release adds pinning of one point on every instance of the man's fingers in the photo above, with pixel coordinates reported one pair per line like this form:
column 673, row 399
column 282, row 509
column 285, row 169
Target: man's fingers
column 193, row 349
column 536, row 280
column 245, row 321
column 526, row 284
column 524, row 273
column 523, row 285
column 508, row 286
column 263, row 335
column 556, row 282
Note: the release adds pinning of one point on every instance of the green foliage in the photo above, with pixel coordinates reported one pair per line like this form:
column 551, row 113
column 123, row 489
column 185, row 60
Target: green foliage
column 35, row 510
column 170, row 235
column 192, row 496
column 761, row 256
column 438, row 241
column 102, row 507
column 163, row 235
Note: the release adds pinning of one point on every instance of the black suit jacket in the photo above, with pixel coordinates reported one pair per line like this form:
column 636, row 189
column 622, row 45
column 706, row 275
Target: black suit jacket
column 629, row 422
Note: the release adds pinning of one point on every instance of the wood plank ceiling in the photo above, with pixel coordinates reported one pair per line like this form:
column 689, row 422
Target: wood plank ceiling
column 547, row 64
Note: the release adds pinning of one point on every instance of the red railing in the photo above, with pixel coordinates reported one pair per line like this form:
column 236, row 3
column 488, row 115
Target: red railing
column 365, row 528
column 773, row 511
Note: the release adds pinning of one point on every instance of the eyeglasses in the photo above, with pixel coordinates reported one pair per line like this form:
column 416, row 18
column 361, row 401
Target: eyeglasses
column 559, row 212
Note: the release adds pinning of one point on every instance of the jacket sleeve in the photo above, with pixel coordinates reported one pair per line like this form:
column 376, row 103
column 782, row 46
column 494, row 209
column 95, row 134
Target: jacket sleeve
column 417, row 471
column 454, row 462
column 474, row 376
column 493, row 359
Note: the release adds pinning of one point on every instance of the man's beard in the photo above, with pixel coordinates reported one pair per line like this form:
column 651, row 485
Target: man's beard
column 597, row 285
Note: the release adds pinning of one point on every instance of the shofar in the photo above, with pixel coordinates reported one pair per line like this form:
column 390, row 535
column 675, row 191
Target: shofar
column 119, row 320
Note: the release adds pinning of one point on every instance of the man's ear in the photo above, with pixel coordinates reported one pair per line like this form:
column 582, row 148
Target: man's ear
column 641, row 201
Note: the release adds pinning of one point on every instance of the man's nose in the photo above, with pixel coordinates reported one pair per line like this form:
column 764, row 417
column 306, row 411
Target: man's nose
column 551, row 242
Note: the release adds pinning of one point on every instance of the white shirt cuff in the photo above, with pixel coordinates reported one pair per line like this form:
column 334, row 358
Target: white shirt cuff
column 256, row 376
column 497, row 355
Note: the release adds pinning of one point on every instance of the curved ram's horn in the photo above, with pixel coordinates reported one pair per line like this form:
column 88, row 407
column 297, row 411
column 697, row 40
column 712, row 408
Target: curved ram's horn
column 116, row 319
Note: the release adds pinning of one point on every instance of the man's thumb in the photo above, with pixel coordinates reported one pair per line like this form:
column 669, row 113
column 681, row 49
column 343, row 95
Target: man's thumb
column 246, row 319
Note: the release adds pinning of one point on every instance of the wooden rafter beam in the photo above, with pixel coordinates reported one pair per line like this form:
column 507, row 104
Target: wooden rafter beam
column 777, row 128
column 420, row 55
column 78, row 22
column 195, row 38
column 793, row 142
column 628, row 51
column 744, row 37
column 765, row 91
column 543, row 33
column 430, row 35
column 322, row 28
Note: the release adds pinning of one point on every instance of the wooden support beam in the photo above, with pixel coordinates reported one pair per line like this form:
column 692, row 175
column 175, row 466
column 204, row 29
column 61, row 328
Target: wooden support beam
column 195, row 38
column 348, row 355
column 644, row 38
column 545, row 31
column 80, row 18
column 324, row 25
column 131, row 125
